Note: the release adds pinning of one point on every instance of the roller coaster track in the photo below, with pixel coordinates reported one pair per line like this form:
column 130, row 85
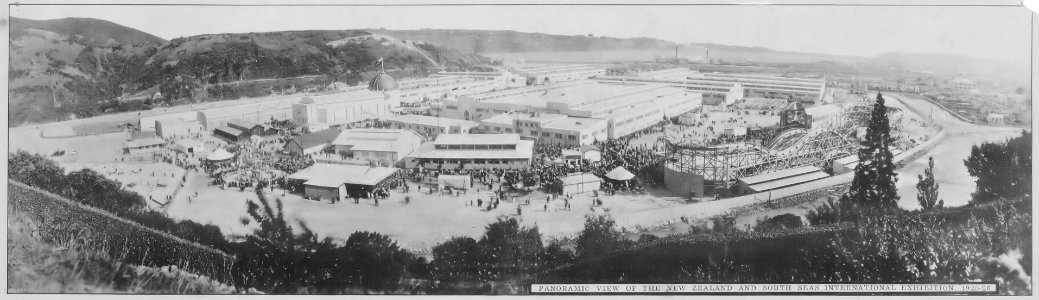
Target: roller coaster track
column 790, row 148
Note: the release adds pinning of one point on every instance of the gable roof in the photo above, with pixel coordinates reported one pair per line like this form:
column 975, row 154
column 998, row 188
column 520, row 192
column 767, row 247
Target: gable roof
column 230, row 130
column 241, row 124
column 315, row 138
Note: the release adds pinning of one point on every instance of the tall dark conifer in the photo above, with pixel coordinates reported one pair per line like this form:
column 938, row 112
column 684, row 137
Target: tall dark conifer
column 874, row 183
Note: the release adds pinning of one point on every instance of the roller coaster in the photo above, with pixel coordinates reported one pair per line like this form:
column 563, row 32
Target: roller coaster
column 783, row 148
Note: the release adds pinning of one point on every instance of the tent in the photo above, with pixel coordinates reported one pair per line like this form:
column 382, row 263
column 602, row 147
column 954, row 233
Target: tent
column 620, row 174
column 455, row 181
column 219, row 155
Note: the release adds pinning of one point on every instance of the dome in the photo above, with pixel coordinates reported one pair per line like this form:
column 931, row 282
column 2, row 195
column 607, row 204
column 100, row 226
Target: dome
column 796, row 105
column 383, row 82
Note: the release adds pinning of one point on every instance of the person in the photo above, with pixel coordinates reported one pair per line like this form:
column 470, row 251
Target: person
column 479, row 202
column 519, row 210
column 546, row 206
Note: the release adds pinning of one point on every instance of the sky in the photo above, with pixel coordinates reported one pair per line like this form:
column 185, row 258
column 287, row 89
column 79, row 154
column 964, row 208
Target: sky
column 999, row 33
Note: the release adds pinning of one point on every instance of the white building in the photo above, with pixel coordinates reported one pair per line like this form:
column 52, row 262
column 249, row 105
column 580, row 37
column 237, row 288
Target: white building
column 438, row 87
column 549, row 129
column 429, row 126
column 177, row 127
column 555, row 74
column 374, row 144
column 474, row 151
column 148, row 123
column 996, row 118
column 320, row 112
column 502, row 79
column 628, row 107
column 728, row 88
column 964, row 84
column 823, row 113
column 259, row 113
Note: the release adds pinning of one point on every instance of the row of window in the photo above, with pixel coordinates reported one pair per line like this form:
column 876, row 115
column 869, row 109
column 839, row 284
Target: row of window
column 475, row 147
column 472, row 161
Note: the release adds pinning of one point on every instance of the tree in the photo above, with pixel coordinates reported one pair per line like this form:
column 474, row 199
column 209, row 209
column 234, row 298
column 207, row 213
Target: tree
column 927, row 188
column 1003, row 170
column 874, row 184
column 87, row 186
column 38, row 171
column 376, row 262
column 598, row 238
column 511, row 249
column 460, row 258
column 780, row 222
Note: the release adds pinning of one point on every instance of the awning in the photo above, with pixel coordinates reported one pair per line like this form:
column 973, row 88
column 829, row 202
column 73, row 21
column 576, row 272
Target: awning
column 219, row 154
column 620, row 174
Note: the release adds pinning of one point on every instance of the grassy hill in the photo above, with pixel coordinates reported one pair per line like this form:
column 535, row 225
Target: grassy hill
column 74, row 68
column 39, row 265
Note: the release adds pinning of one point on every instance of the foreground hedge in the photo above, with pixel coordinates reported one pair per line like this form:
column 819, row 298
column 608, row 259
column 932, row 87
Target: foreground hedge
column 127, row 241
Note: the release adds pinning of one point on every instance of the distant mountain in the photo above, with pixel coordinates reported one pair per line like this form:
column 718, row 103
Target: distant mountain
column 499, row 42
column 951, row 64
column 67, row 68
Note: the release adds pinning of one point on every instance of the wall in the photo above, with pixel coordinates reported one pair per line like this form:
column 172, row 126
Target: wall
column 683, row 183
column 323, row 193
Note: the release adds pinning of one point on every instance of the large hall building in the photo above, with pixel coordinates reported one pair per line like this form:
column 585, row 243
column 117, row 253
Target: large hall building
column 728, row 87
column 625, row 107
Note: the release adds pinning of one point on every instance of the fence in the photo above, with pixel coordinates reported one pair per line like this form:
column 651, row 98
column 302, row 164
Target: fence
column 120, row 238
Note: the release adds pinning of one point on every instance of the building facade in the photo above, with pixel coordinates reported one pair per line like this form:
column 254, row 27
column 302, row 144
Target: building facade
column 474, row 151
column 377, row 145
column 627, row 107
column 429, row 126
column 555, row 74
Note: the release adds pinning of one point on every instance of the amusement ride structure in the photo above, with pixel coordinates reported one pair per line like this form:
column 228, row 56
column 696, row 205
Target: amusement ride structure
column 796, row 141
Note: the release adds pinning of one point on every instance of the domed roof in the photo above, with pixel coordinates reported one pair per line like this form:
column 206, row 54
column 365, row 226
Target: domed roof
column 383, row 82
column 796, row 105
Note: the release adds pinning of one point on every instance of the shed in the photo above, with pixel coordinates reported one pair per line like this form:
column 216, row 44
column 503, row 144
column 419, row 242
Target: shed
column 590, row 153
column 577, row 183
column 149, row 144
column 455, row 181
column 312, row 142
column 230, row 134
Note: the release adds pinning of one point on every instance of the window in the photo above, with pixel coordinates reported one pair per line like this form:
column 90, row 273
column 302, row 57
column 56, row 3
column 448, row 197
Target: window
column 572, row 137
column 559, row 135
column 454, row 147
column 480, row 161
column 534, row 132
column 546, row 134
column 496, row 128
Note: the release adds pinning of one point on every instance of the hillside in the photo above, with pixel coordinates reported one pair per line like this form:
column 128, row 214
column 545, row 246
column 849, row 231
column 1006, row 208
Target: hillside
column 95, row 31
column 74, row 68
column 513, row 45
column 951, row 64
column 71, row 265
